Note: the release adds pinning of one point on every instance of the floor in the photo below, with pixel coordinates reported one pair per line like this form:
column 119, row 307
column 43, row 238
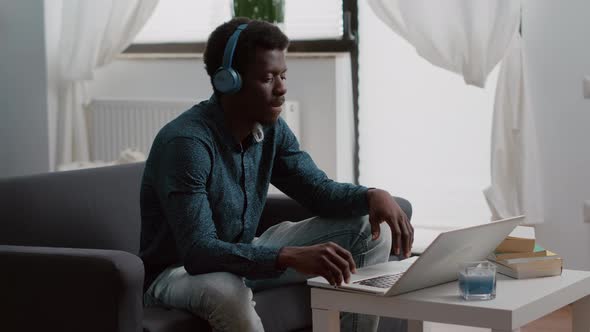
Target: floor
column 558, row 321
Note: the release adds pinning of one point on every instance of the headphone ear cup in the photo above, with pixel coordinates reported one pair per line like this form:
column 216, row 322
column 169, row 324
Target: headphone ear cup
column 238, row 81
column 227, row 81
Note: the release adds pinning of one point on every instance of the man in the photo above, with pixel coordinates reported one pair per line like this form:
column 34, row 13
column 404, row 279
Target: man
column 205, row 185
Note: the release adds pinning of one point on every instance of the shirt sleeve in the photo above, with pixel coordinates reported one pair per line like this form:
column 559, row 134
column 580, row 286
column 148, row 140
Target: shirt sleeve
column 296, row 174
column 186, row 167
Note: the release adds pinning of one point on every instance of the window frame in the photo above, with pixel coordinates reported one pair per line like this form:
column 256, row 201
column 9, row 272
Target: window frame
column 347, row 43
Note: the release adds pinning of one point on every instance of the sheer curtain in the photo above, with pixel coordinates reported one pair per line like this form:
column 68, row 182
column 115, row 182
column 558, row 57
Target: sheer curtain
column 465, row 37
column 516, row 186
column 470, row 38
column 92, row 34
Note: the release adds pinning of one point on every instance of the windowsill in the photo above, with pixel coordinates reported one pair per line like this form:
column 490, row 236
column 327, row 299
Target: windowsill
column 172, row 56
column 299, row 49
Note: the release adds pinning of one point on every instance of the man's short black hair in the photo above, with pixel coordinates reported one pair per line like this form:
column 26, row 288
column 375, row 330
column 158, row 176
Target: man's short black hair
column 258, row 34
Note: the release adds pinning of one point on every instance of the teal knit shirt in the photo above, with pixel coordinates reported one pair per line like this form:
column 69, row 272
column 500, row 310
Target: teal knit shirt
column 202, row 194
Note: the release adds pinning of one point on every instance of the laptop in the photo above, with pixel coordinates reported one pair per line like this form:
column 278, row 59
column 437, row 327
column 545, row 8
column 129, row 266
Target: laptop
column 437, row 265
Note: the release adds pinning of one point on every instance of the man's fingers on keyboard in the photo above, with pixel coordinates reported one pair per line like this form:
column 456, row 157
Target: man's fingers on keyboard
column 334, row 270
column 344, row 267
column 345, row 254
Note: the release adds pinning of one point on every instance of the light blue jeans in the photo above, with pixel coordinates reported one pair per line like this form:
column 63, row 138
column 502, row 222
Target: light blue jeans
column 225, row 299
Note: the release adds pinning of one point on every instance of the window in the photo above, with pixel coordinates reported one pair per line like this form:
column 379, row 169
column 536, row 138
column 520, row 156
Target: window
column 186, row 21
column 424, row 134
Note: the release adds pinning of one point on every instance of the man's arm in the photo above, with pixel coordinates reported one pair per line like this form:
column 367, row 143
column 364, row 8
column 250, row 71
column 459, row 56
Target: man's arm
column 296, row 174
column 185, row 168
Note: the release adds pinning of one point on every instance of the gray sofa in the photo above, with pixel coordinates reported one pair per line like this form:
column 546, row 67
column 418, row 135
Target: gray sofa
column 68, row 246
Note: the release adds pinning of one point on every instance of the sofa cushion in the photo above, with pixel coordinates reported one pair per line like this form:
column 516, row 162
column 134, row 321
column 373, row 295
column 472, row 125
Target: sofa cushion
column 159, row 319
column 281, row 309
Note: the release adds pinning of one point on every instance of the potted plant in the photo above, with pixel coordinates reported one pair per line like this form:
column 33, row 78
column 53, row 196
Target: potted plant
column 272, row 11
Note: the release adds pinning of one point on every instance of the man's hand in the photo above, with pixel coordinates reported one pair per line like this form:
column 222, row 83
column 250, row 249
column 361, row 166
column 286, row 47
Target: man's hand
column 328, row 260
column 383, row 208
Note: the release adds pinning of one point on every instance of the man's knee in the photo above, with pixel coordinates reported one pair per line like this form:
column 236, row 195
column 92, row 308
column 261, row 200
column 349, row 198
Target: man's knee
column 227, row 290
column 385, row 235
column 228, row 304
column 384, row 242
column 405, row 205
column 358, row 225
column 384, row 232
column 375, row 250
column 362, row 227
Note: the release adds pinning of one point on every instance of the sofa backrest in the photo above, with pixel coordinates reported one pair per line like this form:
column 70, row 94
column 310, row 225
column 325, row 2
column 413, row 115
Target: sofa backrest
column 91, row 208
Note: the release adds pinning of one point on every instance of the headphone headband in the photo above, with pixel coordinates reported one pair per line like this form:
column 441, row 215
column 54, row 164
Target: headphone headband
column 227, row 80
column 228, row 54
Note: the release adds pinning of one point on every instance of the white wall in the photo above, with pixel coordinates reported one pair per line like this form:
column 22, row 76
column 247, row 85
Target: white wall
column 313, row 81
column 23, row 89
column 557, row 43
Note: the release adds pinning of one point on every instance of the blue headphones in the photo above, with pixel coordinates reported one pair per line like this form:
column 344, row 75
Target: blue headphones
column 226, row 79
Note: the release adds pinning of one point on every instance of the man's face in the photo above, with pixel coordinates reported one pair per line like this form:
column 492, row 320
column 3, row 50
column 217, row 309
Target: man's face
column 264, row 86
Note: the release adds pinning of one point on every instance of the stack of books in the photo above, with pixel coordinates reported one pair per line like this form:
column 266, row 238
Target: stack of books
column 520, row 258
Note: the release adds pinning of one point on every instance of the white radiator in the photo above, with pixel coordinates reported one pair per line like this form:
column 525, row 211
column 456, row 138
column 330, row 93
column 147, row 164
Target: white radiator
column 116, row 125
column 292, row 115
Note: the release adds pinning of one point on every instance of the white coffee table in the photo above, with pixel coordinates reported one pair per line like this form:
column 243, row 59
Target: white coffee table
column 517, row 303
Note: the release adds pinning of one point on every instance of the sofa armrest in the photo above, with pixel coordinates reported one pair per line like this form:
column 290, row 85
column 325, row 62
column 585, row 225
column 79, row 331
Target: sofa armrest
column 65, row 289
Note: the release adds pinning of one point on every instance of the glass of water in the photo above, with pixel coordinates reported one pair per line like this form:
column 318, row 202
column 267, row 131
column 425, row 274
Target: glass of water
column 477, row 280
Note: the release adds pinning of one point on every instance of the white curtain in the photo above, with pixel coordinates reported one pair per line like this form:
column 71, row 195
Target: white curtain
column 92, row 34
column 516, row 187
column 470, row 38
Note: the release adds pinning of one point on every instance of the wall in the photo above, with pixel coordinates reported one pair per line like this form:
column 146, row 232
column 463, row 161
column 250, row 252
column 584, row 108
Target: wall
column 558, row 54
column 316, row 82
column 23, row 89
column 52, row 31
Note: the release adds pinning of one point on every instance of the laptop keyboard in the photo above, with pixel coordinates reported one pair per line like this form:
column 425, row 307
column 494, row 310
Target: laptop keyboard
column 384, row 281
